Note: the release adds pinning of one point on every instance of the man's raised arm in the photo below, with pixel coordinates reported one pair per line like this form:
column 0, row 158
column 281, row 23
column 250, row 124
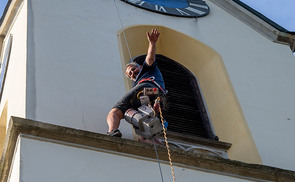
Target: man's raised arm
column 151, row 54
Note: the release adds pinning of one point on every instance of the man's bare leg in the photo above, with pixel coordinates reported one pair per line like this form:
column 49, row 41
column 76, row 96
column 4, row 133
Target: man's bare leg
column 113, row 119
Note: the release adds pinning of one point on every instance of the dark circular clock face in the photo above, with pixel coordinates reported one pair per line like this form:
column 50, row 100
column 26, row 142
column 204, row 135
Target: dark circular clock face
column 183, row 8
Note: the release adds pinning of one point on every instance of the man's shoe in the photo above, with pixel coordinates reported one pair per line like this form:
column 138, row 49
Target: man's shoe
column 115, row 133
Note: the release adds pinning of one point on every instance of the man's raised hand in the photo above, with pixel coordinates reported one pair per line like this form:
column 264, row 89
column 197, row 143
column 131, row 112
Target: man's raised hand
column 153, row 36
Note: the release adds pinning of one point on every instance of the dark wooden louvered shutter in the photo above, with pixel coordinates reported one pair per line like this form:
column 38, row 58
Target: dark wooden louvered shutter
column 186, row 114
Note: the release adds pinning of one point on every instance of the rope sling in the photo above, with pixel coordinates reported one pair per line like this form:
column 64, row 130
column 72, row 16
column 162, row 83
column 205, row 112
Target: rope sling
column 161, row 115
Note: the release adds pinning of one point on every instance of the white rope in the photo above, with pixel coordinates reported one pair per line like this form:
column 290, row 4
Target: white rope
column 123, row 31
column 158, row 160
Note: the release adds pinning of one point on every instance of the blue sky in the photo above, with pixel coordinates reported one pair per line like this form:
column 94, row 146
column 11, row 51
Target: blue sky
column 279, row 11
column 2, row 6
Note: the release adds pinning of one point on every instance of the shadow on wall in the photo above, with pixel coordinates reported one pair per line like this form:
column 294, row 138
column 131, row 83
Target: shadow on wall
column 207, row 65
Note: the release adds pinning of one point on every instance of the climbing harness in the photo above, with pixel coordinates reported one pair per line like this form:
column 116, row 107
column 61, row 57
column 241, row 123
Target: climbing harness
column 145, row 119
column 152, row 79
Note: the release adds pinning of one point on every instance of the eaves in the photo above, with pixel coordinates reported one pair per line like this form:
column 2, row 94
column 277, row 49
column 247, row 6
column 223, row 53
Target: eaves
column 258, row 22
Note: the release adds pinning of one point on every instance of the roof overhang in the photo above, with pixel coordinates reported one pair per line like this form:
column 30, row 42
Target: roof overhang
column 9, row 15
column 258, row 22
column 10, row 12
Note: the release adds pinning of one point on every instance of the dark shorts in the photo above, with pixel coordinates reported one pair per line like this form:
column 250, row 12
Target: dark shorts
column 129, row 99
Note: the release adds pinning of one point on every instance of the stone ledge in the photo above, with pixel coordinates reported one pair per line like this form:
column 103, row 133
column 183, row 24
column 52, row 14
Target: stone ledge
column 198, row 140
column 198, row 145
column 213, row 164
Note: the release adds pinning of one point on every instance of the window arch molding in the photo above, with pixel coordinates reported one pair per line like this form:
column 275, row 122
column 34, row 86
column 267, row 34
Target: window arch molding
column 207, row 65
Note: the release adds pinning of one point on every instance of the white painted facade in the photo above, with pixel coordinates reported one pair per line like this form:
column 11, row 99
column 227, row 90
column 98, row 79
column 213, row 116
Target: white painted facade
column 75, row 163
column 14, row 175
column 69, row 73
column 14, row 94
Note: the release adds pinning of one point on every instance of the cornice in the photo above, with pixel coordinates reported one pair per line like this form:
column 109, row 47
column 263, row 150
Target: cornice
column 10, row 12
column 19, row 127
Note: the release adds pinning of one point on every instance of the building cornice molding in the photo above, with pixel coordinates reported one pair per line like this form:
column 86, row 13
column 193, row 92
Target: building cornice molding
column 257, row 23
column 19, row 127
column 10, row 12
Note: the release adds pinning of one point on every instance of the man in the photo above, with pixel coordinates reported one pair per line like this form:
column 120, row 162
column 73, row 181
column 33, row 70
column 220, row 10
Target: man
column 140, row 76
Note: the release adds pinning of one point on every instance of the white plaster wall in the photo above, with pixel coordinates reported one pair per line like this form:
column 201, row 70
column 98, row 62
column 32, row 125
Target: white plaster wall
column 262, row 74
column 47, row 162
column 15, row 84
column 14, row 174
column 75, row 74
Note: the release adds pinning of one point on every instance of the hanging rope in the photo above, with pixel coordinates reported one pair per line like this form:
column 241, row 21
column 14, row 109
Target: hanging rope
column 158, row 160
column 123, row 31
column 166, row 141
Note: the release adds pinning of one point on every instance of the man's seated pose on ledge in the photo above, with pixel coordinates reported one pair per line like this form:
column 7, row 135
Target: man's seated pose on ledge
column 140, row 76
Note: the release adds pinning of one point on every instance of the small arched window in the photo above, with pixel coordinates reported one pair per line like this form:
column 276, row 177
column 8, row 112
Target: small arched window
column 186, row 114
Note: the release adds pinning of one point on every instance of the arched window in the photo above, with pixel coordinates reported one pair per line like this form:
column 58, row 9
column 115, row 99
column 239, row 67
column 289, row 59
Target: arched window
column 207, row 65
column 186, row 114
